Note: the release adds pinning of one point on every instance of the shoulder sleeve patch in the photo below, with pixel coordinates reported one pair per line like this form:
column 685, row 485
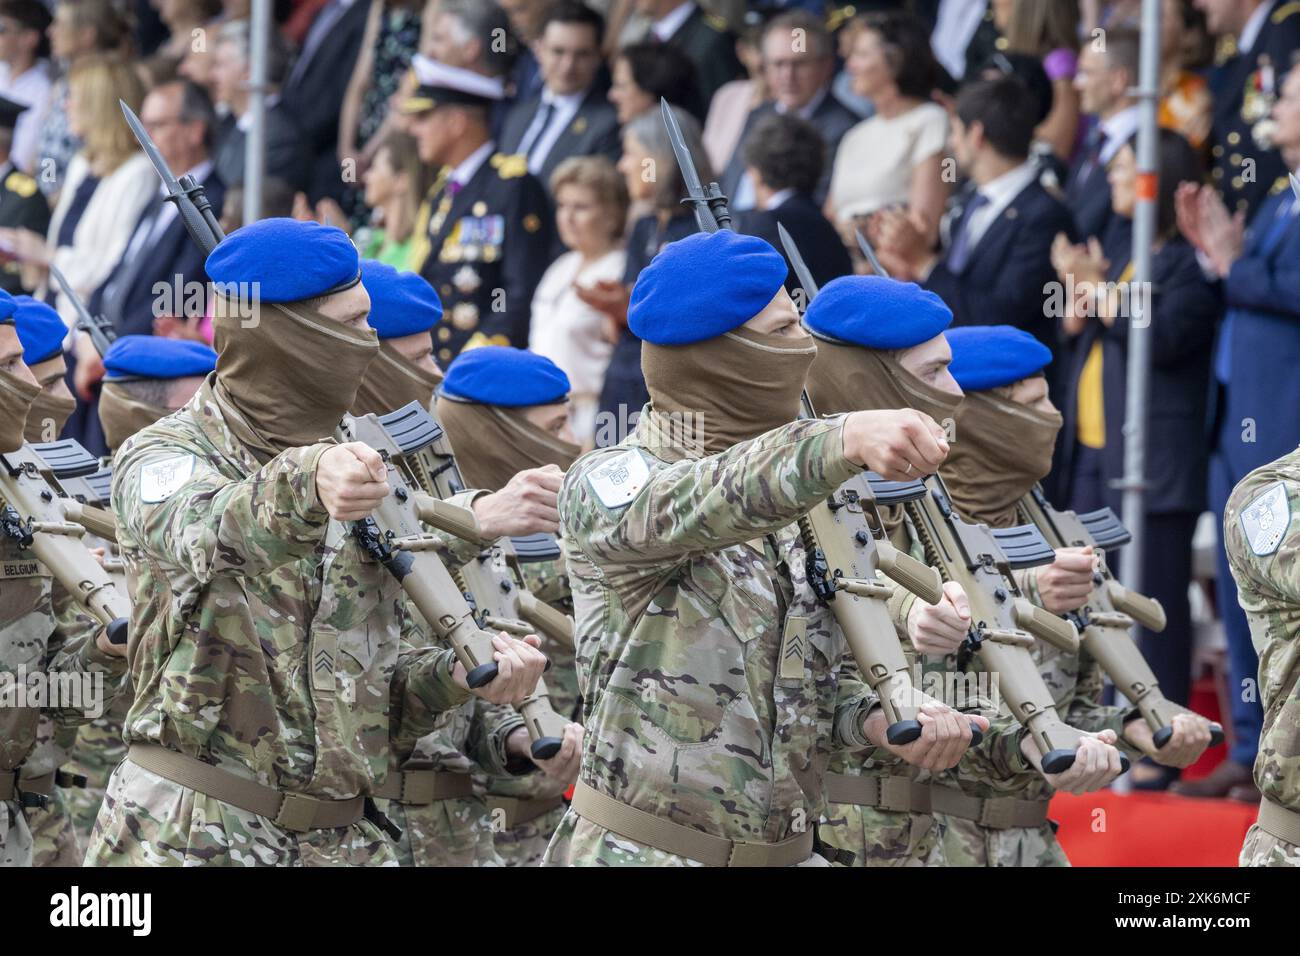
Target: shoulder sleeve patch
column 1266, row 519
column 159, row 480
column 618, row 481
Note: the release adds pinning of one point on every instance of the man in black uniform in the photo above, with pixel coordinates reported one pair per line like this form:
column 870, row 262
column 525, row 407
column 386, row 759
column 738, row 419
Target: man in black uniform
column 21, row 204
column 483, row 234
column 701, row 36
column 1258, row 39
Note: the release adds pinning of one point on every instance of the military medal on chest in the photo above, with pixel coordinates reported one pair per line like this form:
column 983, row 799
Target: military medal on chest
column 1257, row 102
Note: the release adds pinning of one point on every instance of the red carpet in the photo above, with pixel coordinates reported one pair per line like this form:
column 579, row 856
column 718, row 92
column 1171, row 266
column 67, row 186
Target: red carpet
column 1150, row 829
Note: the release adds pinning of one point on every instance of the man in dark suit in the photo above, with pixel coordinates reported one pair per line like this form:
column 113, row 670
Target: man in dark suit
column 571, row 116
column 996, row 264
column 798, row 64
column 962, row 33
column 784, row 157
column 160, row 281
column 313, row 91
column 22, row 205
column 1246, row 166
column 701, row 36
column 483, row 235
column 287, row 157
column 1257, row 391
column 1103, row 81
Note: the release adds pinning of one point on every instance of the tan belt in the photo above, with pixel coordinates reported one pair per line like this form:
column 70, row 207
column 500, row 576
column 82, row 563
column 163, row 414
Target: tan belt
column 646, row 828
column 292, row 811
column 1276, row 820
column 898, row 794
column 519, row 810
column 422, row 787
column 12, row 786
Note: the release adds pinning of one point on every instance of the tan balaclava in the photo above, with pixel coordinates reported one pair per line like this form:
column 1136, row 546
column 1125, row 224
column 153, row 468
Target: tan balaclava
column 49, row 412
column 493, row 443
column 286, row 379
column 392, row 381
column 16, row 397
column 1002, row 449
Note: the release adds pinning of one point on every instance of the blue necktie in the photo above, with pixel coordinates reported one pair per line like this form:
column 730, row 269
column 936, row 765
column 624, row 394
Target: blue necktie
column 959, row 254
column 1276, row 230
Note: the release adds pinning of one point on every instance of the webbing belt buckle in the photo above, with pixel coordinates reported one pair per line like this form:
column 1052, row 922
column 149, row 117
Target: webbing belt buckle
column 997, row 814
column 296, row 812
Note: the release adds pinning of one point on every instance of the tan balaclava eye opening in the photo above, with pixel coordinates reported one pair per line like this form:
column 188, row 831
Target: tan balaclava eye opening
column 122, row 414
column 392, row 381
column 1001, row 449
column 49, row 413
column 850, row 378
column 287, row 377
column 492, row 443
column 16, row 397
column 729, row 389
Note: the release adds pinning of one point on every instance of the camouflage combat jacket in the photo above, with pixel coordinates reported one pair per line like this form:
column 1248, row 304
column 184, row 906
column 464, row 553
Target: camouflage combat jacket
column 711, row 677
column 266, row 641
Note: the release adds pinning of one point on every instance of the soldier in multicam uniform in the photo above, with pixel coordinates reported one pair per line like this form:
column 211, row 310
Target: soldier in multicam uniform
column 42, row 632
column 273, row 659
column 508, row 408
column 146, row 378
column 887, row 347
column 714, row 684
column 1262, row 538
column 429, row 795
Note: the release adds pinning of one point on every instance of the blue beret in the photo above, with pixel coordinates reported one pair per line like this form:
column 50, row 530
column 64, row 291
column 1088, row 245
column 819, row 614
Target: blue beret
column 499, row 375
column 401, row 303
column 702, row 286
column 39, row 329
column 989, row 356
column 877, row 313
column 284, row 260
column 152, row 356
column 7, row 306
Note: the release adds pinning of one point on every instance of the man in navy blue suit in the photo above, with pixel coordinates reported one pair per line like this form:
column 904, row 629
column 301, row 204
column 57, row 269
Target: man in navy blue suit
column 995, row 265
column 1257, row 391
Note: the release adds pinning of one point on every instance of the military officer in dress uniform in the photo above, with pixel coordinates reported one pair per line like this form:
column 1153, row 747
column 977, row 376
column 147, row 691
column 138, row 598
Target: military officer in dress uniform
column 1259, row 39
column 483, row 235
column 21, row 204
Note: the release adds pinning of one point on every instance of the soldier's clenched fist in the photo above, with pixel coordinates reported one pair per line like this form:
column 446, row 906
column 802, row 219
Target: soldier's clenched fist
column 520, row 666
column 899, row 445
column 526, row 505
column 945, row 735
column 351, row 481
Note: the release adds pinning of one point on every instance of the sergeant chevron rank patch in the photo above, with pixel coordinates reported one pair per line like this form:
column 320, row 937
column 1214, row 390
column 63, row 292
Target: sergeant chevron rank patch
column 617, row 482
column 793, row 648
column 1266, row 519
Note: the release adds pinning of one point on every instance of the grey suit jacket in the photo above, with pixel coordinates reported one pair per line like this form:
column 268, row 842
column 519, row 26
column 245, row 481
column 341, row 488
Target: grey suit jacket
column 592, row 131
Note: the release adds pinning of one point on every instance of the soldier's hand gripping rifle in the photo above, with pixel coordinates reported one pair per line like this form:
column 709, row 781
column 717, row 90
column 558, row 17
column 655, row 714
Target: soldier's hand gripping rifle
column 36, row 515
column 1105, row 620
column 1003, row 622
column 421, row 574
column 842, row 536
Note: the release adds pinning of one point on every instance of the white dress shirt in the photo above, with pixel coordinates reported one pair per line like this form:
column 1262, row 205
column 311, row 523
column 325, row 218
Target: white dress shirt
column 465, row 171
column 1254, row 24
column 538, row 141
column 670, row 23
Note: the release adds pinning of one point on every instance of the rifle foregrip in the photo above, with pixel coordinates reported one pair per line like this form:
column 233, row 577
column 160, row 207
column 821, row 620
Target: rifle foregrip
column 449, row 518
column 1055, row 630
column 1146, row 611
column 97, row 521
column 904, row 570
column 553, row 624
column 545, row 726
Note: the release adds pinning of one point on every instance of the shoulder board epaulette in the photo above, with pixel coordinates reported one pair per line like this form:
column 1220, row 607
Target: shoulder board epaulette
column 510, row 167
column 20, row 184
column 839, row 16
column 716, row 22
column 1285, row 11
column 1225, row 49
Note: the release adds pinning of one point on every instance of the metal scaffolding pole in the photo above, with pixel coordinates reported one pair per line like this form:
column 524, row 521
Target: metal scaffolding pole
column 255, row 144
column 1139, row 298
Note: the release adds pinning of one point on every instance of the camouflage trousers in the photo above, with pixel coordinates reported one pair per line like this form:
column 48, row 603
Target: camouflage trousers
column 452, row 832
column 98, row 750
column 147, row 820
column 579, row 842
column 525, row 844
column 966, row 843
column 54, row 833
column 1263, row 849
column 15, row 836
column 882, row 837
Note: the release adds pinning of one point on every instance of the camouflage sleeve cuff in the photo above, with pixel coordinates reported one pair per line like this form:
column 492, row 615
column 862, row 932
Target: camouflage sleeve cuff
column 93, row 659
column 499, row 723
column 312, row 508
column 900, row 606
column 850, row 719
column 1027, row 578
column 427, row 688
column 459, row 551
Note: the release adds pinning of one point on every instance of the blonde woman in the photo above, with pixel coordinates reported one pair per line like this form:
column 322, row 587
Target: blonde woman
column 590, row 209
column 395, row 183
